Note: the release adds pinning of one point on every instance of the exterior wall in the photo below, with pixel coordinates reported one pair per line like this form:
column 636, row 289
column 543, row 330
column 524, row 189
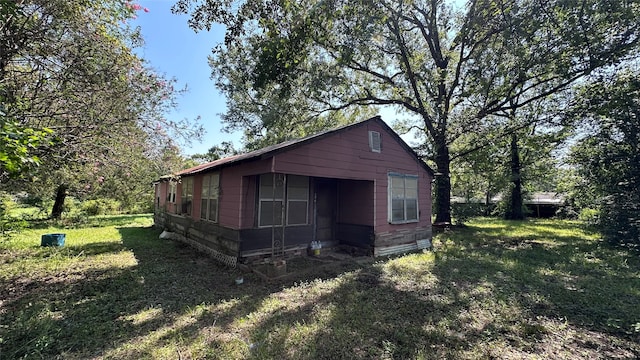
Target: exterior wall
column 197, row 196
column 162, row 189
column 236, row 192
column 233, row 185
column 402, row 240
column 248, row 205
column 161, row 195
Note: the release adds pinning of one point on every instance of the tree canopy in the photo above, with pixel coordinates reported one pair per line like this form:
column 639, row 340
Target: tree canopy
column 94, row 113
column 446, row 65
column 608, row 154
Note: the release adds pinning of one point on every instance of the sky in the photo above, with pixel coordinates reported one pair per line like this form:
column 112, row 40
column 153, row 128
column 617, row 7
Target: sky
column 175, row 50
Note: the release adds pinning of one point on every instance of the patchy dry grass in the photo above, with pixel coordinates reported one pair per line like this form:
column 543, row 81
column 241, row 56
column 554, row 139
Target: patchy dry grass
column 510, row 290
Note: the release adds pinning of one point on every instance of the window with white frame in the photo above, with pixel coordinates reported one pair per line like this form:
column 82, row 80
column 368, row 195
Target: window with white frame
column 171, row 195
column 297, row 199
column 209, row 197
column 273, row 198
column 187, row 196
column 403, row 198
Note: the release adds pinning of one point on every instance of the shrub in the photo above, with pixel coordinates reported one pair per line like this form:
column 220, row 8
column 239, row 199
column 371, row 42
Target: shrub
column 589, row 216
column 462, row 212
column 101, row 207
column 8, row 222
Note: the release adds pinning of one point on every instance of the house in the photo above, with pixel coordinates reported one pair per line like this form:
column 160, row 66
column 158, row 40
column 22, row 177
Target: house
column 359, row 186
column 538, row 204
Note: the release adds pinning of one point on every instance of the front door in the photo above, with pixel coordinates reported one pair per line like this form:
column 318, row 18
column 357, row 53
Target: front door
column 326, row 191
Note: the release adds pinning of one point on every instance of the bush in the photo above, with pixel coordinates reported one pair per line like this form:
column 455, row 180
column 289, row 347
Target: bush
column 589, row 216
column 462, row 212
column 101, row 207
column 9, row 223
column 620, row 219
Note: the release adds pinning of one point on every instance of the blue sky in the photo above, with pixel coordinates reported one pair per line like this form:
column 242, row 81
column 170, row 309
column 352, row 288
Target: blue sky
column 173, row 49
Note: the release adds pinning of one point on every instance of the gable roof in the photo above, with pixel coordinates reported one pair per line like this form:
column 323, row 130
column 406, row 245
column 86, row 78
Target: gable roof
column 269, row 151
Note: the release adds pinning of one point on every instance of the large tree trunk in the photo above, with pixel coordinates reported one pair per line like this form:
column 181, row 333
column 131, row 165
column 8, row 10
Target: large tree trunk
column 443, row 183
column 58, row 205
column 514, row 209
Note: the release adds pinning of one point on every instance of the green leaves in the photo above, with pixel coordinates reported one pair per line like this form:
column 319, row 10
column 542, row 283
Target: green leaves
column 450, row 66
column 70, row 66
column 608, row 155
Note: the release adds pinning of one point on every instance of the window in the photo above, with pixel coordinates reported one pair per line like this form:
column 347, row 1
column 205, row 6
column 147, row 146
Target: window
column 297, row 199
column 375, row 142
column 209, row 198
column 403, row 198
column 171, row 195
column 157, row 188
column 187, row 196
column 273, row 198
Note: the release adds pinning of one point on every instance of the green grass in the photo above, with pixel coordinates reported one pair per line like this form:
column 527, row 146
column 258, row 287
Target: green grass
column 495, row 289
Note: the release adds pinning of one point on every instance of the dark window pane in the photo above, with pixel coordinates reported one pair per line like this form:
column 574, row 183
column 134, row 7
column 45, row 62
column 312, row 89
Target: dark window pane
column 213, row 210
column 412, row 209
column 203, row 209
column 397, row 210
column 270, row 213
column 186, row 207
column 297, row 213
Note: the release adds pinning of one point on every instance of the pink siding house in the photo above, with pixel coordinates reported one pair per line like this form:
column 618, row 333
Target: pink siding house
column 359, row 186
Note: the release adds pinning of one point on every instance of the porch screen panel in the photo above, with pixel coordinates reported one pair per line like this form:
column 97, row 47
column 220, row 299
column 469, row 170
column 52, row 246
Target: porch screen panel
column 271, row 200
column 209, row 199
column 297, row 199
column 204, row 197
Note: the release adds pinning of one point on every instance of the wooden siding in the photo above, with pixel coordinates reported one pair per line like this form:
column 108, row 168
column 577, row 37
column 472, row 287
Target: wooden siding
column 219, row 238
column 249, row 198
column 165, row 206
column 161, row 195
column 232, row 190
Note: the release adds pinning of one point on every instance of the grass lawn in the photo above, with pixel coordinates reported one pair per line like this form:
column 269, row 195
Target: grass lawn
column 496, row 289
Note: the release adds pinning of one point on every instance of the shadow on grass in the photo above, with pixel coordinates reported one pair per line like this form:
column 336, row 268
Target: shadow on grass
column 585, row 283
column 476, row 296
column 89, row 312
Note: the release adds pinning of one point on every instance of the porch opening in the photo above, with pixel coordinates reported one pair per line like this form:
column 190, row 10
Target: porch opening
column 344, row 213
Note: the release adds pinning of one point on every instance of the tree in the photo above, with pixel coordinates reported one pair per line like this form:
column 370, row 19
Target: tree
column 448, row 66
column 608, row 155
column 515, row 163
column 73, row 70
column 216, row 152
column 271, row 113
